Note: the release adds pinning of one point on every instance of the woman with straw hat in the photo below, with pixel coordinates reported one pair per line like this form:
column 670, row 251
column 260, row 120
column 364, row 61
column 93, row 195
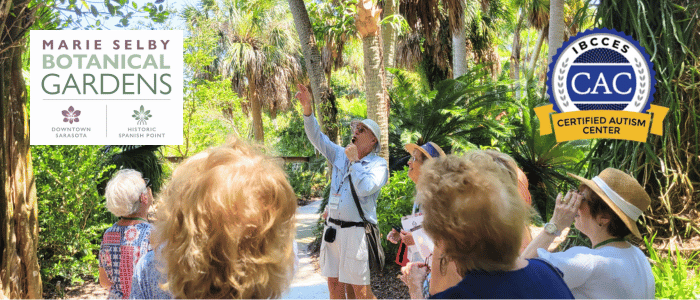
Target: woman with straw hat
column 419, row 155
column 605, row 209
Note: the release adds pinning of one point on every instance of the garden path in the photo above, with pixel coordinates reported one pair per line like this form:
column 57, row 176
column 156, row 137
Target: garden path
column 308, row 282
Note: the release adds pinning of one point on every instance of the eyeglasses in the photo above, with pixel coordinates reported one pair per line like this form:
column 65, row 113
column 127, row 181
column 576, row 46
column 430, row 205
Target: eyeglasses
column 360, row 129
column 428, row 261
column 148, row 182
column 418, row 158
column 357, row 125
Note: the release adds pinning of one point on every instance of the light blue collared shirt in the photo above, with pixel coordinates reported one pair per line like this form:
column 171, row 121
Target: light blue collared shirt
column 369, row 175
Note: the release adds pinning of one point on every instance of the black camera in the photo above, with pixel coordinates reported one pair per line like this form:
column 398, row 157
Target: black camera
column 329, row 236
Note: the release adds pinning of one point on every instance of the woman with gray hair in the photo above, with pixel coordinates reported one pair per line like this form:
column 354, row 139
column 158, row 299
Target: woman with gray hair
column 128, row 197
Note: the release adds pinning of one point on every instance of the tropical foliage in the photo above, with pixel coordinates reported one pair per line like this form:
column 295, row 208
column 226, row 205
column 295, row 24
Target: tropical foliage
column 669, row 165
column 256, row 49
column 467, row 74
column 460, row 113
column 73, row 214
column 677, row 276
column 394, row 202
column 75, row 14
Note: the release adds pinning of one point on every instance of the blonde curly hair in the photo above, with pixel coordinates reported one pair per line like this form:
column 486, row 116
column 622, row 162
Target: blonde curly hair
column 473, row 208
column 226, row 226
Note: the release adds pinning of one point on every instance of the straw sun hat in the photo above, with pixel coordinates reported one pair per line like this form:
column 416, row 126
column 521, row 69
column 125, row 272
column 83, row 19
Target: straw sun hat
column 622, row 193
column 430, row 149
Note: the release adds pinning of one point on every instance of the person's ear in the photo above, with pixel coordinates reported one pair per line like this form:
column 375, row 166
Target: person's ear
column 144, row 198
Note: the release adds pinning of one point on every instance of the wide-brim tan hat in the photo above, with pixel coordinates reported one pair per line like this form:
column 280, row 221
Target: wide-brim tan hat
column 625, row 196
column 430, row 149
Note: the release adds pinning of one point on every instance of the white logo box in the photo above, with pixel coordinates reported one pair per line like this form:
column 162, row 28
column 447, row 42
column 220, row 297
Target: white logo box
column 107, row 76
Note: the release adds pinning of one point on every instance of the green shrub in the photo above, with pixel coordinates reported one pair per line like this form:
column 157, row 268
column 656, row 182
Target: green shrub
column 395, row 201
column 676, row 278
column 72, row 216
column 307, row 179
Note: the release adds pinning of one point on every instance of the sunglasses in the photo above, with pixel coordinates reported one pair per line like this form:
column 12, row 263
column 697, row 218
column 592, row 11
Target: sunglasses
column 414, row 159
column 148, row 182
column 428, row 261
column 357, row 125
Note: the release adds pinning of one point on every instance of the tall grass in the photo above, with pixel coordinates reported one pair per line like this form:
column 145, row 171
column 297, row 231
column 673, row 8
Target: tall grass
column 676, row 277
column 669, row 165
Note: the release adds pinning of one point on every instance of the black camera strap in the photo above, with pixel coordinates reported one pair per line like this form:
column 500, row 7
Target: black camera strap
column 357, row 201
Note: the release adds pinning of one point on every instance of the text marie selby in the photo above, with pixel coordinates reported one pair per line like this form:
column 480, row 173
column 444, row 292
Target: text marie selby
column 101, row 83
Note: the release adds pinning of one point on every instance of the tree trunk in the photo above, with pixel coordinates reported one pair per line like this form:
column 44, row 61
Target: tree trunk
column 389, row 36
column 515, row 56
column 256, row 112
column 323, row 95
column 19, row 230
column 367, row 24
column 459, row 40
column 536, row 54
column 556, row 27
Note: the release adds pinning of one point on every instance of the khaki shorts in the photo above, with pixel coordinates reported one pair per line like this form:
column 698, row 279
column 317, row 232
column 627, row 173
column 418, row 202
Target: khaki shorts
column 346, row 258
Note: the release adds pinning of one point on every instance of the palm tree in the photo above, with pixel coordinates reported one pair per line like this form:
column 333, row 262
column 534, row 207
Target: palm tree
column 556, row 26
column 426, row 17
column 515, row 52
column 323, row 95
column 455, row 9
column 389, row 34
column 259, row 52
column 538, row 17
column 263, row 53
column 18, row 203
column 367, row 24
column 574, row 14
column 443, row 116
column 472, row 26
column 545, row 162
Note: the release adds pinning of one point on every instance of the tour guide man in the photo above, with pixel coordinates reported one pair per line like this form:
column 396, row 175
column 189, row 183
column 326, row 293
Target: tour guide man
column 345, row 259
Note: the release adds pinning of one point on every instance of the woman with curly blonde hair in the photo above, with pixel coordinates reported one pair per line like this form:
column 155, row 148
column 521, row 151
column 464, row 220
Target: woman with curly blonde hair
column 225, row 229
column 476, row 217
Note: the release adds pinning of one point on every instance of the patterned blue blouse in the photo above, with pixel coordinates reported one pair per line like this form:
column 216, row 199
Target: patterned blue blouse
column 122, row 247
column 147, row 280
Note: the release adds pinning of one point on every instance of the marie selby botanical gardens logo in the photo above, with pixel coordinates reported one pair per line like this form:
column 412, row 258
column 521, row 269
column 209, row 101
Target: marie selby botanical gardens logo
column 107, row 86
column 601, row 85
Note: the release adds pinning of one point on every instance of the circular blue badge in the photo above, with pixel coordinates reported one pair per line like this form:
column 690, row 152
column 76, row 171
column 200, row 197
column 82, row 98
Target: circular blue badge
column 601, row 69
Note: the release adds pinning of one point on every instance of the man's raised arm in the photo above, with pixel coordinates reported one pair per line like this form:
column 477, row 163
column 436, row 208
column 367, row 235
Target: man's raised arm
column 313, row 130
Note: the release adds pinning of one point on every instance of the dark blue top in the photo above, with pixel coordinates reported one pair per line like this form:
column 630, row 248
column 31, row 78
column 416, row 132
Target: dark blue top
column 537, row 280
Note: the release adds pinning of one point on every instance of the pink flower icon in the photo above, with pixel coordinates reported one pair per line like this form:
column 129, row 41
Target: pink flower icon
column 71, row 115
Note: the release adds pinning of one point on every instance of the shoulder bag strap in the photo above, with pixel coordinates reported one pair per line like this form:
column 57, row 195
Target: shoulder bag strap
column 357, row 201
